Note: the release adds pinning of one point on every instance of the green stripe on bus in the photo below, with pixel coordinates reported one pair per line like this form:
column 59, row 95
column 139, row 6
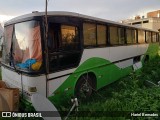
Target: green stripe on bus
column 105, row 73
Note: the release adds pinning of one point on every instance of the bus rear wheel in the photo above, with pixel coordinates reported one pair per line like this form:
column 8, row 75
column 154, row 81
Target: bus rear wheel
column 84, row 87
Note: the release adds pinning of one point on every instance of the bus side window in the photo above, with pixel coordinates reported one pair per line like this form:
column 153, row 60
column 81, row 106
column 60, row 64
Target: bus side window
column 157, row 37
column 52, row 37
column 131, row 36
column 153, row 37
column 70, row 54
column 50, row 40
column 69, row 35
column 148, row 36
column 101, row 35
column 113, row 35
column 141, row 36
column 121, row 36
column 89, row 33
column 65, row 47
column 117, row 35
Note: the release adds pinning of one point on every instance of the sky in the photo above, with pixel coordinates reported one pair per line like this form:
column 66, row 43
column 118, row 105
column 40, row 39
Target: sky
column 115, row 10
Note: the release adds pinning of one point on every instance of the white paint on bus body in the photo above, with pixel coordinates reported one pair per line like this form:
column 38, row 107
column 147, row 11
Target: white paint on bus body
column 116, row 54
column 61, row 73
column 124, row 64
column 13, row 79
column 54, row 84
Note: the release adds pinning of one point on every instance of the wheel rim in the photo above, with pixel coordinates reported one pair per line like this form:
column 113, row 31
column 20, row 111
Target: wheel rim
column 85, row 89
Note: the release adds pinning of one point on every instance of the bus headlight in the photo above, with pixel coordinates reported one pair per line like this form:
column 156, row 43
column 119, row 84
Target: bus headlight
column 32, row 89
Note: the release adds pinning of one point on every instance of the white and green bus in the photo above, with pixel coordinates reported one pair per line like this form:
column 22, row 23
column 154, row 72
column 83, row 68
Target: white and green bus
column 84, row 54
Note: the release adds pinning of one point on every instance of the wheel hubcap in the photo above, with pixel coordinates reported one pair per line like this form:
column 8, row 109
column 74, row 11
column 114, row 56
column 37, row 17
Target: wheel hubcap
column 85, row 89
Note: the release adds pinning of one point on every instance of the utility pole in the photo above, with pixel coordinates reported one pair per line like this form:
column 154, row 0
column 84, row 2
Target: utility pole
column 46, row 46
column 46, row 38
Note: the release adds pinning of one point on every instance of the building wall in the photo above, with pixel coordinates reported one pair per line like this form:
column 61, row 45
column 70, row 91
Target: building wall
column 148, row 25
column 156, row 26
column 153, row 20
column 153, row 14
column 152, row 23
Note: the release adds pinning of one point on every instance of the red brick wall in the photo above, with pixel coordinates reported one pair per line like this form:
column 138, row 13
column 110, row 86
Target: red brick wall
column 153, row 14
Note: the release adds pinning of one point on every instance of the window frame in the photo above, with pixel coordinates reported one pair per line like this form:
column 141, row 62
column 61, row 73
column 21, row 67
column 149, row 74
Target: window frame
column 96, row 35
column 133, row 37
column 118, row 35
column 154, row 41
column 106, row 31
column 146, row 37
column 116, row 31
column 89, row 45
column 60, row 55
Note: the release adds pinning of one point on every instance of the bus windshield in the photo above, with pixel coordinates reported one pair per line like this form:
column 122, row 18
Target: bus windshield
column 22, row 46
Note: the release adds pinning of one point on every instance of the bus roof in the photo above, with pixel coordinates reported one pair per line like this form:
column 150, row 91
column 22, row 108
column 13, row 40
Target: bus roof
column 72, row 14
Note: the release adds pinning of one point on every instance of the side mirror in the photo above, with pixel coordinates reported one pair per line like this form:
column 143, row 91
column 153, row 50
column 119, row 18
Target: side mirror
column 1, row 42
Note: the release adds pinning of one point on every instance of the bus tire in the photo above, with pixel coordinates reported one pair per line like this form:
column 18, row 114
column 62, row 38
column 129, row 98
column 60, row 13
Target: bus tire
column 84, row 87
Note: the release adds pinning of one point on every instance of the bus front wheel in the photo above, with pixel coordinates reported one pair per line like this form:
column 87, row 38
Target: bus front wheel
column 84, row 87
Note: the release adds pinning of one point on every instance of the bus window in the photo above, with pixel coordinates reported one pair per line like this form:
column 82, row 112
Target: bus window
column 134, row 36
column 157, row 37
column 89, row 33
column 66, row 41
column 131, row 36
column 148, row 37
column 141, row 36
column 153, row 37
column 121, row 36
column 69, row 36
column 7, row 43
column 117, row 36
column 101, row 35
column 113, row 36
column 27, row 50
column 51, row 39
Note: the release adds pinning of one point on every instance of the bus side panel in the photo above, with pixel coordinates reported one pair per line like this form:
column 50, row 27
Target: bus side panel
column 53, row 84
column 105, row 72
column 123, row 52
column 95, row 52
column 108, row 64
column 103, row 75
column 94, row 65
column 114, row 73
column 65, row 91
column 100, row 67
